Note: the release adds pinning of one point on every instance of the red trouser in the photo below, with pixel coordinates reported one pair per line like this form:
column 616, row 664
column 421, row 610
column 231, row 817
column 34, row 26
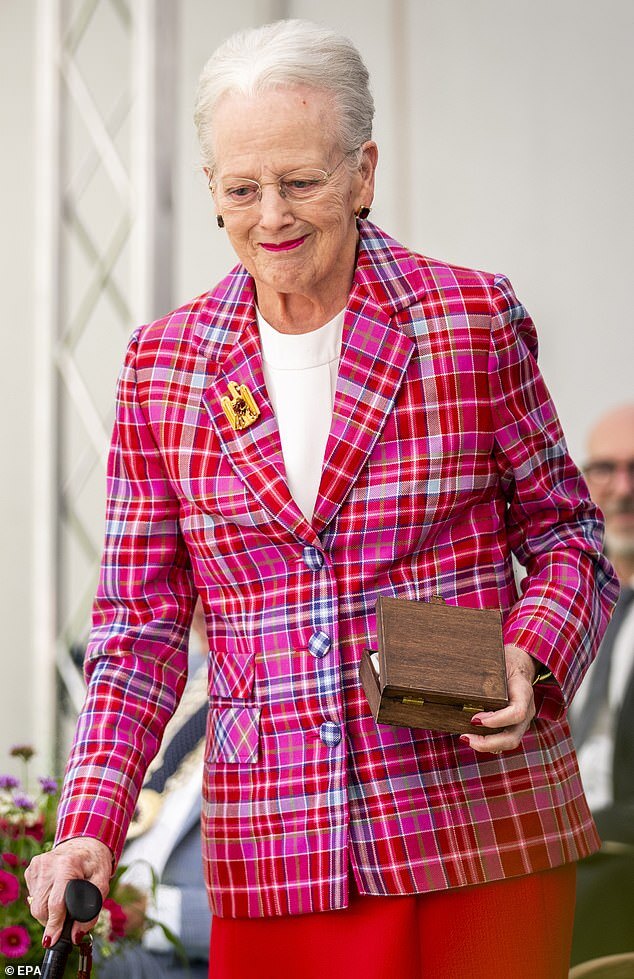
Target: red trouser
column 519, row 928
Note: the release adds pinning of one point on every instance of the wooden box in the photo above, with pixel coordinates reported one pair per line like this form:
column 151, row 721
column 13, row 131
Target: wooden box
column 438, row 665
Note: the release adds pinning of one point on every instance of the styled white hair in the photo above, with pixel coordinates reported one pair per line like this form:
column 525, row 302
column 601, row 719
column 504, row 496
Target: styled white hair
column 288, row 52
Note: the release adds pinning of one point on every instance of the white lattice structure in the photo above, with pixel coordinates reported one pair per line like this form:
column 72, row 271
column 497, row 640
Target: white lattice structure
column 104, row 264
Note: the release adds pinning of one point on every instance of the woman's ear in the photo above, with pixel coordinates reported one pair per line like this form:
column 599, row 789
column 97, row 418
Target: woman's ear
column 369, row 158
column 367, row 170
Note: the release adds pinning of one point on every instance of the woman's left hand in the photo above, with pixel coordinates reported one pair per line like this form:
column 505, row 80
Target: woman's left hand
column 521, row 670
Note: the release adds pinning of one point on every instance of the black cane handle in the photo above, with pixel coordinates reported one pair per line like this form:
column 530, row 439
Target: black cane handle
column 83, row 903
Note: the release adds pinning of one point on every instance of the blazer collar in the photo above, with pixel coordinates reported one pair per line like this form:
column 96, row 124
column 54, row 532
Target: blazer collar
column 375, row 354
column 390, row 275
column 387, row 271
column 374, row 357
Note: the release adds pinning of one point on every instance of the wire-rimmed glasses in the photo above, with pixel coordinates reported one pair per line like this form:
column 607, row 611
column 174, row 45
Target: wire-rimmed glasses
column 297, row 186
column 603, row 472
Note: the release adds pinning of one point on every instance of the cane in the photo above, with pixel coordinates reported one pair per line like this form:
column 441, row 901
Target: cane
column 83, row 902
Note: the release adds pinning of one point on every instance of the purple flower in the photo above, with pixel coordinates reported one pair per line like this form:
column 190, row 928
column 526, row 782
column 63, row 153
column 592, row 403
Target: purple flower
column 24, row 803
column 9, row 782
column 23, row 751
column 48, row 785
column 9, row 887
column 14, row 941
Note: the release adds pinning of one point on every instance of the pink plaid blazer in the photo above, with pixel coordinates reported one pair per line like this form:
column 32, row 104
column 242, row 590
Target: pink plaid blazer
column 445, row 457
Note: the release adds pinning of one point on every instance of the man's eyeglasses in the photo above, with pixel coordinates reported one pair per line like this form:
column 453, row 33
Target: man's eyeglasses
column 305, row 184
column 603, row 471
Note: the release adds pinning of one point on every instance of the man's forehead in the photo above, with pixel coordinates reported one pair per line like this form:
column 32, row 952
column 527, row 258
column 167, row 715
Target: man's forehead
column 613, row 436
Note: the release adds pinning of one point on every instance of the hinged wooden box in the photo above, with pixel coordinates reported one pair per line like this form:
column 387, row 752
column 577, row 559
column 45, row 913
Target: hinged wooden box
column 438, row 665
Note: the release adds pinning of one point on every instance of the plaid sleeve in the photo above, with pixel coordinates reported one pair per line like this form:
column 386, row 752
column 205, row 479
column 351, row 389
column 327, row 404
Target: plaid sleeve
column 136, row 660
column 554, row 529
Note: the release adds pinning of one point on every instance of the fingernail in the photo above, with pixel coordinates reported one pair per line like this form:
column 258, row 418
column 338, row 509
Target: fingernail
column 476, row 720
column 465, row 739
column 46, row 941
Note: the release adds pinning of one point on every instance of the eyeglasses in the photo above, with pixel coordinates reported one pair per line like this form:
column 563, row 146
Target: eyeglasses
column 305, row 184
column 603, row 471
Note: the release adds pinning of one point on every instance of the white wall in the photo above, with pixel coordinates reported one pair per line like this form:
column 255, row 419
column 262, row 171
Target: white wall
column 506, row 143
column 526, row 154
column 17, row 178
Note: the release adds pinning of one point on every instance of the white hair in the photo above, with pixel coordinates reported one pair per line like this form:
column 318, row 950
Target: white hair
column 288, row 52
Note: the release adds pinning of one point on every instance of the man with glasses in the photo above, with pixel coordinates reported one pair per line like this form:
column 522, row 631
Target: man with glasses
column 602, row 714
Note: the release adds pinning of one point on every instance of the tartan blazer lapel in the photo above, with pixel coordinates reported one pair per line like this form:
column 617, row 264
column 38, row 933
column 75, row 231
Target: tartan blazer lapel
column 255, row 452
column 374, row 358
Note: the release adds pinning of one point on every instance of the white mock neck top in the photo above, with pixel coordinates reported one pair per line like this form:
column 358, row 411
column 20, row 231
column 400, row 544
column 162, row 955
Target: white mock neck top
column 300, row 371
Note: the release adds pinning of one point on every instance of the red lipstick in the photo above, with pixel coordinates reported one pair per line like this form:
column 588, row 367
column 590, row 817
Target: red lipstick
column 283, row 246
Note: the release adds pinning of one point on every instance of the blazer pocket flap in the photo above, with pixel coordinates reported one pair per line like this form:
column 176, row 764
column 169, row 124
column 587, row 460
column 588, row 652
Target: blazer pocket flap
column 234, row 734
column 231, row 672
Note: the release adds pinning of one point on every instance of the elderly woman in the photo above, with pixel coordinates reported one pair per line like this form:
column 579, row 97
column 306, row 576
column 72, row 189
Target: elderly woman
column 338, row 419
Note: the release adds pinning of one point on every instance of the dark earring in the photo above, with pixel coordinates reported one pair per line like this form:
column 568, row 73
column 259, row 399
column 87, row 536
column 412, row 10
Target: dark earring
column 220, row 220
column 362, row 212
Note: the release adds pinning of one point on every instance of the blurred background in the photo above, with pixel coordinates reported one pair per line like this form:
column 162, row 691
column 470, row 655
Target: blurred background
column 506, row 141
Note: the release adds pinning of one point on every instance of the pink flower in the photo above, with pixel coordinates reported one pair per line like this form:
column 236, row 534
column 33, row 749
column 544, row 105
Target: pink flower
column 10, row 859
column 118, row 919
column 36, row 830
column 14, row 941
column 9, row 887
column 12, row 830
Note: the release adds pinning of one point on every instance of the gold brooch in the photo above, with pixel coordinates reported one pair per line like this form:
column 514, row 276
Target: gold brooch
column 239, row 406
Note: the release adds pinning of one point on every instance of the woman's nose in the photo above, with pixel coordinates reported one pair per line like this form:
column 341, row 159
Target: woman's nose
column 275, row 211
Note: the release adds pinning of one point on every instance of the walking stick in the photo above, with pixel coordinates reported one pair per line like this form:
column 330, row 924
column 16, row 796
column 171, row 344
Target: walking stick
column 83, row 902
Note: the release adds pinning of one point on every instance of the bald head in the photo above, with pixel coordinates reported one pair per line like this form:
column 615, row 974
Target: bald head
column 610, row 473
column 613, row 433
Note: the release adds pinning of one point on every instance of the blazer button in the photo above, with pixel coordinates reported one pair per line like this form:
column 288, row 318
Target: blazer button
column 319, row 644
column 330, row 734
column 313, row 558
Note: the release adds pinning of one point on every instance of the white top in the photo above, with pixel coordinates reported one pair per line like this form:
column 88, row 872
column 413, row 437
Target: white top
column 596, row 754
column 300, row 371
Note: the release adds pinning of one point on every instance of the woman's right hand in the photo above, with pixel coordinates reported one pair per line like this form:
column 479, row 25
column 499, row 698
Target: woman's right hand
column 48, row 874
